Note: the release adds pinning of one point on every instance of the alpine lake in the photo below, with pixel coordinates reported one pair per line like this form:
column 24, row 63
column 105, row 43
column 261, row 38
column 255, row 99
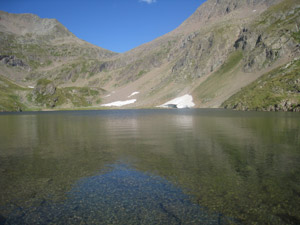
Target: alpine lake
column 160, row 166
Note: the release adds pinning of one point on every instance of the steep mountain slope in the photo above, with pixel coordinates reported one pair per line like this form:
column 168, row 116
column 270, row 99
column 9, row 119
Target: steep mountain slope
column 33, row 50
column 32, row 44
column 221, row 48
column 278, row 90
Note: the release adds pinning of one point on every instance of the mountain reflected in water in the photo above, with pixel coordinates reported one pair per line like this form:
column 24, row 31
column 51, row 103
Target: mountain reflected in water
column 208, row 165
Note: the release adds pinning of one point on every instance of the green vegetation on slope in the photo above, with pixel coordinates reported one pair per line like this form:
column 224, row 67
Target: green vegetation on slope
column 43, row 82
column 278, row 90
column 47, row 95
column 296, row 36
column 9, row 100
column 279, row 15
column 214, row 84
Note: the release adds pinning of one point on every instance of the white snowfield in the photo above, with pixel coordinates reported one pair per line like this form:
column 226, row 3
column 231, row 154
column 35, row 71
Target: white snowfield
column 30, row 86
column 132, row 94
column 120, row 103
column 185, row 101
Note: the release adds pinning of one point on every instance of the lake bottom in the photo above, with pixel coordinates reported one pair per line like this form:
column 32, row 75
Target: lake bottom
column 120, row 195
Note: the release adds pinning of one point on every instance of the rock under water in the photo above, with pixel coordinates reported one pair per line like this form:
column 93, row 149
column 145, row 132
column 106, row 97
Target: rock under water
column 120, row 196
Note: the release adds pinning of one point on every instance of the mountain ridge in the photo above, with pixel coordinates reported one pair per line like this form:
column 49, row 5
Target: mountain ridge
column 221, row 48
column 22, row 24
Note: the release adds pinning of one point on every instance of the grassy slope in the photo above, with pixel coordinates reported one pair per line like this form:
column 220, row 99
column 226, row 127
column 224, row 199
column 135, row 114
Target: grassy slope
column 16, row 98
column 42, row 57
column 214, row 84
column 279, row 86
column 71, row 97
column 9, row 99
column 277, row 90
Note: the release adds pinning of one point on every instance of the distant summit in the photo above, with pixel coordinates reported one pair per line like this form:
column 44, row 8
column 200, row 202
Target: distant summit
column 25, row 24
column 213, row 10
column 215, row 57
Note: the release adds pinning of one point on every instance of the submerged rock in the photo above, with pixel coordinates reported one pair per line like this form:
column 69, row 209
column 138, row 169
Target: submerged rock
column 2, row 220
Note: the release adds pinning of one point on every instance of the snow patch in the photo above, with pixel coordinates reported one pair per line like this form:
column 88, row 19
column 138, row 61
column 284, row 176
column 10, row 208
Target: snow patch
column 120, row 103
column 287, row 65
column 30, row 86
column 254, row 10
column 185, row 101
column 132, row 94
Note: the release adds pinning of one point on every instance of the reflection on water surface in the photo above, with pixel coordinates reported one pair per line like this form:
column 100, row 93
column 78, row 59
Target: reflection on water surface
column 186, row 166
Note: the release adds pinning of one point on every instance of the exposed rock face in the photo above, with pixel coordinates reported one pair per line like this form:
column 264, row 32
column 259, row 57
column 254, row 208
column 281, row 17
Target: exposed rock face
column 285, row 106
column 264, row 44
column 12, row 61
column 48, row 89
column 43, row 93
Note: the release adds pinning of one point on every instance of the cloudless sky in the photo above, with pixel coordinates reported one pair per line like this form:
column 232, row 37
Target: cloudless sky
column 117, row 25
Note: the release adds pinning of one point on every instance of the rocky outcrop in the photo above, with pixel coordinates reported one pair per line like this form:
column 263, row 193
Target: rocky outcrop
column 201, row 54
column 270, row 37
column 45, row 89
column 285, row 106
column 11, row 60
column 43, row 94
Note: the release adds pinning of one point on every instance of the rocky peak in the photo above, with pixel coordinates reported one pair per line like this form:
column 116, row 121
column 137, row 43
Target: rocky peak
column 213, row 9
column 23, row 24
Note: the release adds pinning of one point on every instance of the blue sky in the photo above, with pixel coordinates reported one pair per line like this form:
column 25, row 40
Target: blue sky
column 117, row 25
